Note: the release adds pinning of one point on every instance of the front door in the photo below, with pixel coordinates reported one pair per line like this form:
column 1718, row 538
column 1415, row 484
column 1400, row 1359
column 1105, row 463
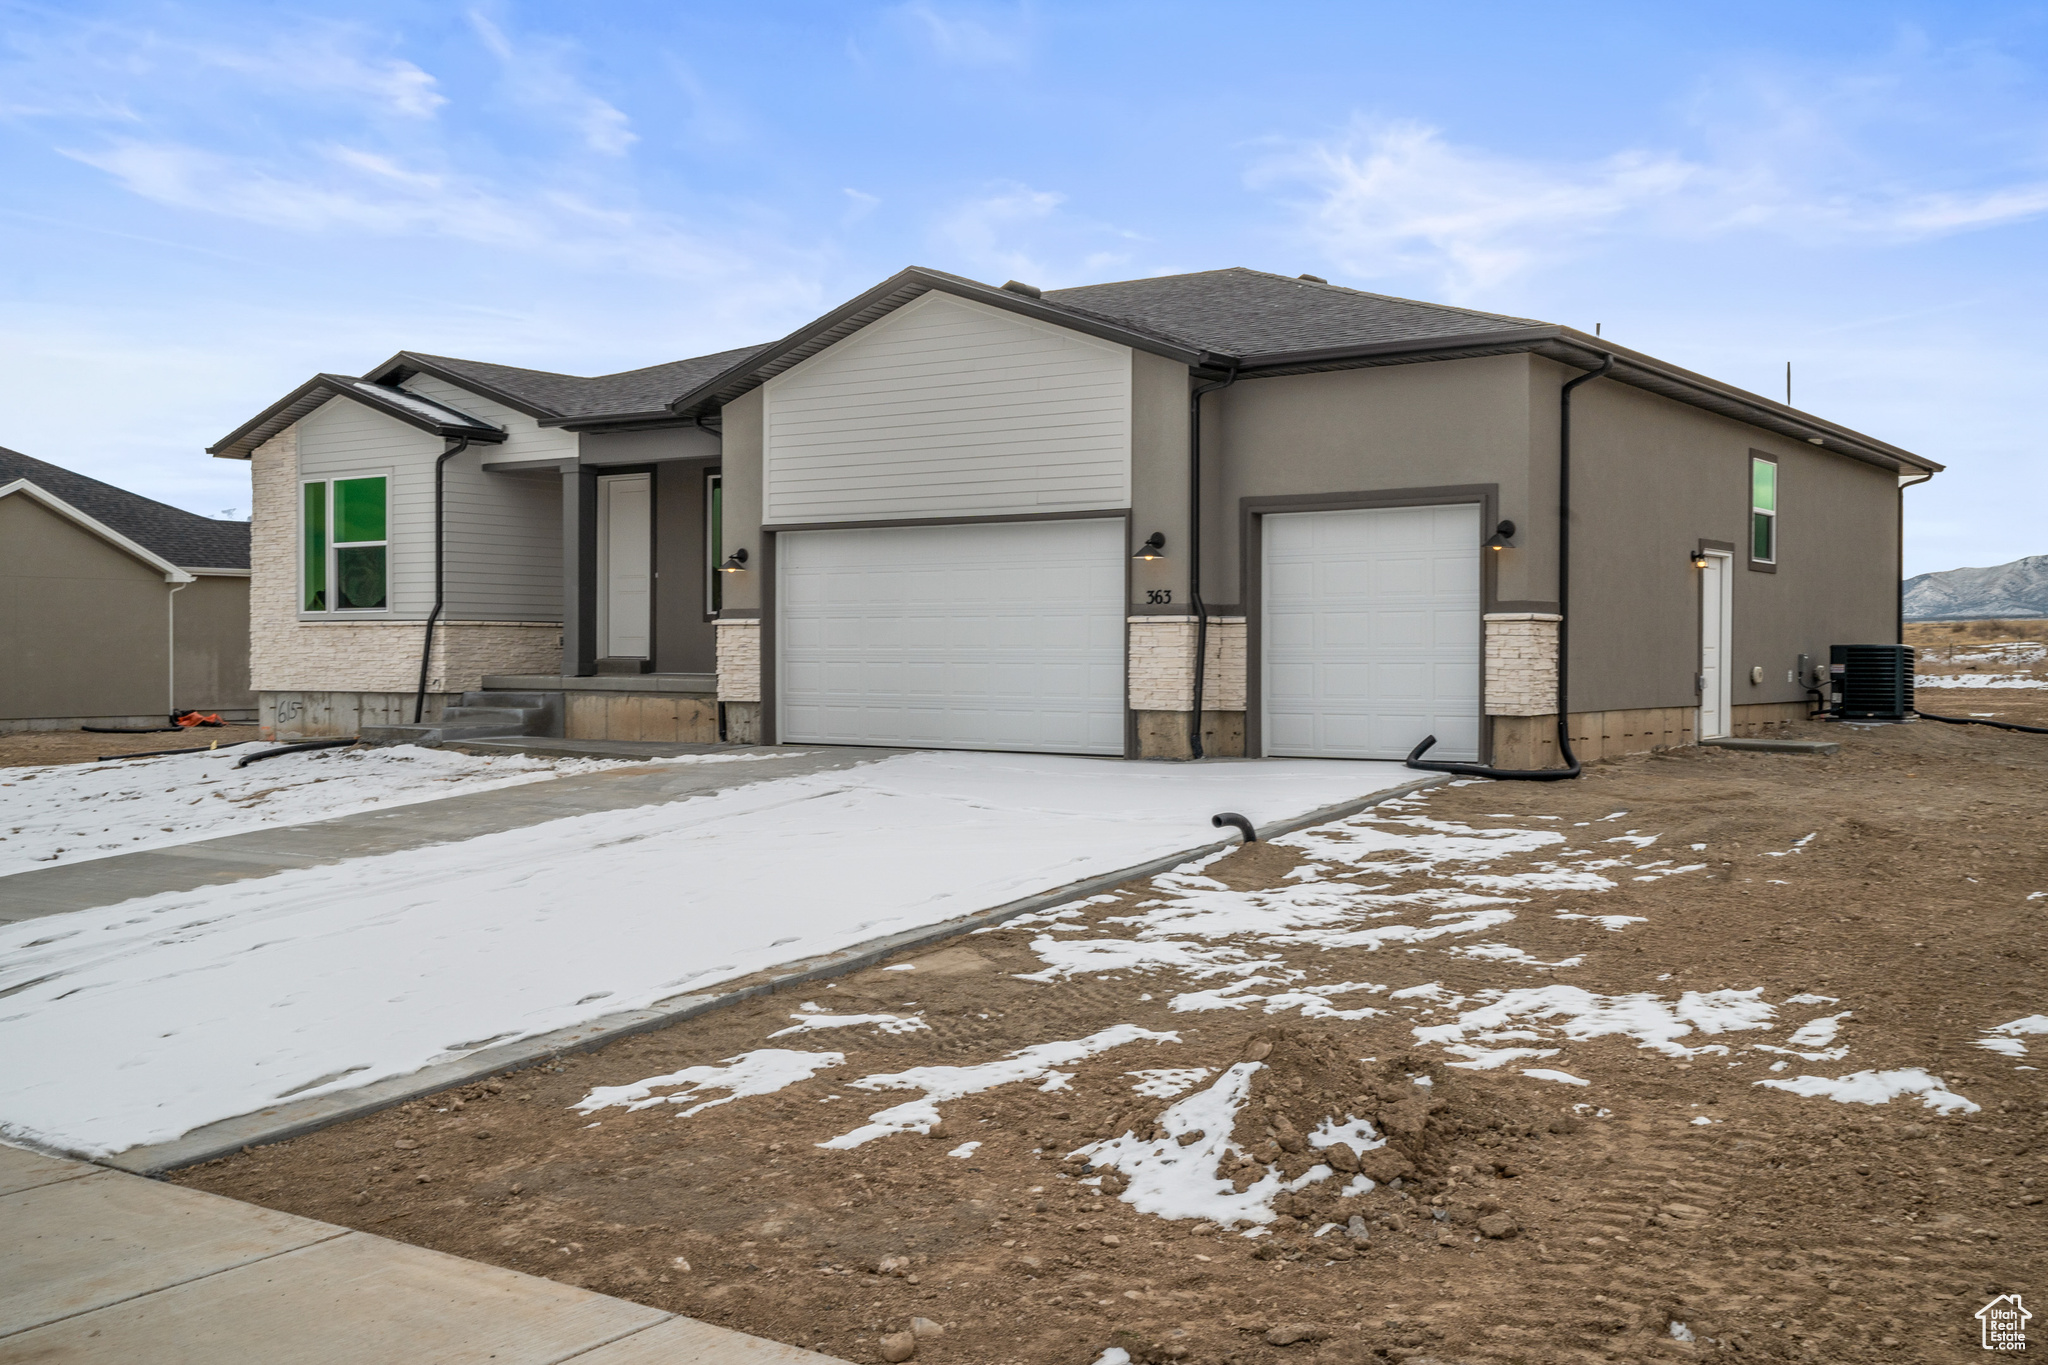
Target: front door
column 1716, row 610
column 625, row 553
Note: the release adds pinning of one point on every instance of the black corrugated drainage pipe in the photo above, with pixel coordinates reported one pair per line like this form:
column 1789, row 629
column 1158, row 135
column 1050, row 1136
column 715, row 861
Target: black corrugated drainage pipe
column 246, row 759
column 1564, row 613
column 1195, row 547
column 419, row 701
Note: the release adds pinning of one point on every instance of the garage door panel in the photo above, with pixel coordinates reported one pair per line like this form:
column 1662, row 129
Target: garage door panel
column 1007, row 636
column 1371, row 631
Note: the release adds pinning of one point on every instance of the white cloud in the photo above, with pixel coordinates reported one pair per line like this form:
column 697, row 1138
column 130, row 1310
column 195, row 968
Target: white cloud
column 980, row 36
column 535, row 75
column 1398, row 198
column 859, row 204
column 984, row 231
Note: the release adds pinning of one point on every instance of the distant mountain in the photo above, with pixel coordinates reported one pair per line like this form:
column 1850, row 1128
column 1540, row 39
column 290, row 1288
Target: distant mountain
column 2015, row 590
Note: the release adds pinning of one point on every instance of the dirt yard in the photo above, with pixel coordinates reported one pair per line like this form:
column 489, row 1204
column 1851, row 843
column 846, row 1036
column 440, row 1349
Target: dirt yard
column 36, row 748
column 1709, row 1054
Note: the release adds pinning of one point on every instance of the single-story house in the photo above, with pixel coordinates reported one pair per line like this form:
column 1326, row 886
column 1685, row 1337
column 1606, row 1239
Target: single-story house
column 950, row 514
column 115, row 609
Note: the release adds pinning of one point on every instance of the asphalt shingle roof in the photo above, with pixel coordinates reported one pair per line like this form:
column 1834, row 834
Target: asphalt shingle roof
column 1249, row 312
column 567, row 395
column 185, row 538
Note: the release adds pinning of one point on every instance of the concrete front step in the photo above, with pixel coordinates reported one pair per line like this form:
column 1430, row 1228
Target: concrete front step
column 511, row 715
column 439, row 733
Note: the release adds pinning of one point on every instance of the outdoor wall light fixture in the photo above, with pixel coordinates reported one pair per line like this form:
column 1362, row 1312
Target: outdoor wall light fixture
column 1153, row 548
column 736, row 562
column 1698, row 558
column 1503, row 537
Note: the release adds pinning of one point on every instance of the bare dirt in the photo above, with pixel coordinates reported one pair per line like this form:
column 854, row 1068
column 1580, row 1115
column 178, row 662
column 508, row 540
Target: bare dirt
column 1534, row 1221
column 36, row 748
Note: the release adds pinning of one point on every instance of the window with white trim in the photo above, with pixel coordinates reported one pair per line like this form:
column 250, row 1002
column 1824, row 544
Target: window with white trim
column 1763, row 510
column 344, row 552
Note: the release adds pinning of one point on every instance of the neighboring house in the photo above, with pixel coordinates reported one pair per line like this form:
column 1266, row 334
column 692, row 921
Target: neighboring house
column 934, row 506
column 114, row 609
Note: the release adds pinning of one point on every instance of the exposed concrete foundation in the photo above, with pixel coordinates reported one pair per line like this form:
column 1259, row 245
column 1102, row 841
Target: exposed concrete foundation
column 742, row 721
column 339, row 715
column 1164, row 734
column 666, row 719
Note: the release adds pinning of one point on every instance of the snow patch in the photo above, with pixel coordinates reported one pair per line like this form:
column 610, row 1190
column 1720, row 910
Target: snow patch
column 762, row 1072
column 1878, row 1087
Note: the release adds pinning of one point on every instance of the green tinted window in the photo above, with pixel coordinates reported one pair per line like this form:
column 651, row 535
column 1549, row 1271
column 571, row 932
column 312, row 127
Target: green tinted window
column 358, row 510
column 1763, row 486
column 1762, row 536
column 314, row 592
column 359, row 577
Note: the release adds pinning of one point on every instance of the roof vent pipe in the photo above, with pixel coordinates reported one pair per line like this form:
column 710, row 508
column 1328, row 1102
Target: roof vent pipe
column 1564, row 613
column 1029, row 291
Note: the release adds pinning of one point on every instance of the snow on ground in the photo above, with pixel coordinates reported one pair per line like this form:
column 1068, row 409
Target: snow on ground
column 2005, row 1038
column 761, row 1072
column 319, row 979
column 1943, row 680
column 1879, row 1087
column 1039, row 1062
column 72, row 812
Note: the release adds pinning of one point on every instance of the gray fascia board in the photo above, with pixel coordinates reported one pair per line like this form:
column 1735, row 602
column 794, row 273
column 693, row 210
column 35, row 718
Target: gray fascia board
column 407, row 361
column 899, row 289
column 241, row 443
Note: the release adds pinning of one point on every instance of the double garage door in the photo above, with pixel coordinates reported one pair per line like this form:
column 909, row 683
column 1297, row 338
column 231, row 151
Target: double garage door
column 995, row 636
column 1011, row 635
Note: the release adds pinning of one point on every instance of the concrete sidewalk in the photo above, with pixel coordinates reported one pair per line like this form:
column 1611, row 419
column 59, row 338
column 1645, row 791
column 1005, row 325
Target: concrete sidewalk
column 261, row 853
column 100, row 1268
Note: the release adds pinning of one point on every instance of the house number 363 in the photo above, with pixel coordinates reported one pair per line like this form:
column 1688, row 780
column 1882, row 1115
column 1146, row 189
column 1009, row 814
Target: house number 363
column 1156, row 596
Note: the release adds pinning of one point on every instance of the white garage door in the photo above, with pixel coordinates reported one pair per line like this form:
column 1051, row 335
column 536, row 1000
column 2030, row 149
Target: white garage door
column 1002, row 636
column 1371, row 634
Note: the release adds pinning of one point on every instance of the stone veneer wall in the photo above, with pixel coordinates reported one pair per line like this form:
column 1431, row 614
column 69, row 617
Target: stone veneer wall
column 1521, row 663
column 1161, row 685
column 739, row 680
column 289, row 656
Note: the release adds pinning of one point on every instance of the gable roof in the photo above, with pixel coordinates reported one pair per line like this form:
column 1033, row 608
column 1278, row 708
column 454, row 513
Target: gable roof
column 1260, row 325
column 183, row 539
column 410, row 408
column 556, row 398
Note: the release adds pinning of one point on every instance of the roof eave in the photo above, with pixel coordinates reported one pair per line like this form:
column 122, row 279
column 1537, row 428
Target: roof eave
column 885, row 298
column 411, row 361
column 37, row 493
column 241, row 443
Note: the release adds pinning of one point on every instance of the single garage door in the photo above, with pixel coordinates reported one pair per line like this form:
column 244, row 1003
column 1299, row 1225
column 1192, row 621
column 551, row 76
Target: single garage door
column 996, row 636
column 1371, row 632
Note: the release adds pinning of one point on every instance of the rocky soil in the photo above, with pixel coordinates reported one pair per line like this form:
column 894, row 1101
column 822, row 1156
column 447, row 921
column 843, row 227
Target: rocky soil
column 1513, row 1072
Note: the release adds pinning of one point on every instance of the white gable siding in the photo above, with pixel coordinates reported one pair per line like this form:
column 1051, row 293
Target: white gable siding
column 525, row 439
column 949, row 408
column 342, row 439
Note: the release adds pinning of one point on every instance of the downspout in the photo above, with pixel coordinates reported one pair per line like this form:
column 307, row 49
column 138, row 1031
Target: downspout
column 1564, row 613
column 419, row 701
column 171, row 648
column 1195, row 547
column 1900, row 541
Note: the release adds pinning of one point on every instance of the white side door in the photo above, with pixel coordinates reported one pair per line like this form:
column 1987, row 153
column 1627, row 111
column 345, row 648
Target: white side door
column 1717, row 609
column 1371, row 632
column 991, row 636
column 625, row 569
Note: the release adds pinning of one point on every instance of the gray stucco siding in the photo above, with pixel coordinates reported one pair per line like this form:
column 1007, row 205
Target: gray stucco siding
column 1651, row 479
column 1454, row 422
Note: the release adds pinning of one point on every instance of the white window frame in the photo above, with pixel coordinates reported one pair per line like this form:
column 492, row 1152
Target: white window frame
column 332, row 559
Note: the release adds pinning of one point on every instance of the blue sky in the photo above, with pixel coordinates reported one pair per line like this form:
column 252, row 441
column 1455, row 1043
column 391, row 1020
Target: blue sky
column 205, row 204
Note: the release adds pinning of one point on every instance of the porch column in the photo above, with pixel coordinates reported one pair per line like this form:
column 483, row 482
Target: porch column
column 579, row 572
